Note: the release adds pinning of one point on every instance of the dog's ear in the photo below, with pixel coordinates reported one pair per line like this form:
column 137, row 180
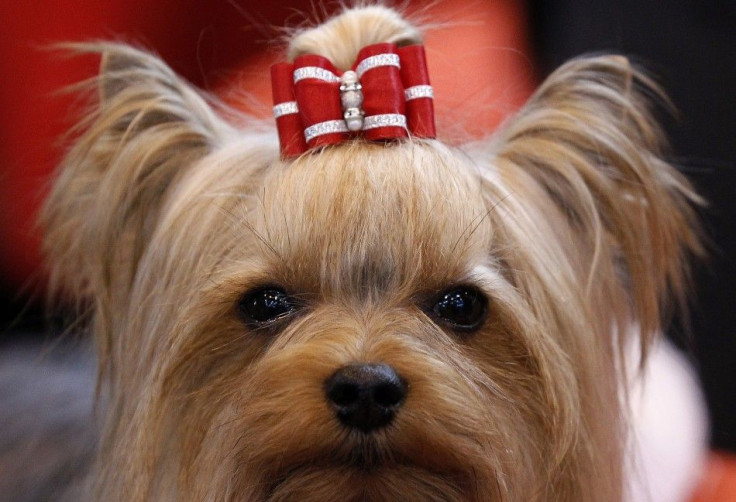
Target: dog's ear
column 587, row 138
column 145, row 130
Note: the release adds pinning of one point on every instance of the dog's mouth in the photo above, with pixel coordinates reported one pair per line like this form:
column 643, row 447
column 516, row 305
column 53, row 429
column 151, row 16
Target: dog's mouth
column 369, row 471
column 365, row 457
column 367, row 481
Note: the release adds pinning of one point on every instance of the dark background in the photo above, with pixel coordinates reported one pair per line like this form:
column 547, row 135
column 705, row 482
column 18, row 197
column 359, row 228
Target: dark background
column 689, row 46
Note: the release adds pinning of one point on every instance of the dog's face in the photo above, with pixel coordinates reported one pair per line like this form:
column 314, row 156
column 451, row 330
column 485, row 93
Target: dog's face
column 354, row 336
column 402, row 321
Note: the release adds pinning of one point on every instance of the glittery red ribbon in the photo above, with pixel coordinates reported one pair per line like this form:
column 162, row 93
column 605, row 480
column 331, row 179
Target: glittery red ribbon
column 397, row 98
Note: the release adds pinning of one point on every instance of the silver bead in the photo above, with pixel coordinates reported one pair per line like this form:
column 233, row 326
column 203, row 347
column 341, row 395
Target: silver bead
column 351, row 99
column 349, row 77
column 353, row 119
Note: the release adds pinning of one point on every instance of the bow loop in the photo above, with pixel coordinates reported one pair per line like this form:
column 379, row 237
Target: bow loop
column 317, row 90
column 378, row 69
column 418, row 93
column 385, row 96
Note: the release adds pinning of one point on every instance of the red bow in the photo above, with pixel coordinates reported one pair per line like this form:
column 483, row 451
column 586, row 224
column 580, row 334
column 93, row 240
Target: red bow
column 385, row 96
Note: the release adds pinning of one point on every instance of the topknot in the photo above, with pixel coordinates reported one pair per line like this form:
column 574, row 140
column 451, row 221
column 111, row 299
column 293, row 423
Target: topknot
column 341, row 38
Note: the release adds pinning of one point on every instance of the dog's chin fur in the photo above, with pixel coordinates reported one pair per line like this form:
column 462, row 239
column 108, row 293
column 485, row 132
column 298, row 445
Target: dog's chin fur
column 164, row 215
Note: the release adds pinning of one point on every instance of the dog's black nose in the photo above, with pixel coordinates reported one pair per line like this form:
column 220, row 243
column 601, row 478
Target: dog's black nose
column 366, row 396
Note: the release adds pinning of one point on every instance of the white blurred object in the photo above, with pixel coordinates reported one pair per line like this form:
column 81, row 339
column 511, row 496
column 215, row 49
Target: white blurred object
column 670, row 428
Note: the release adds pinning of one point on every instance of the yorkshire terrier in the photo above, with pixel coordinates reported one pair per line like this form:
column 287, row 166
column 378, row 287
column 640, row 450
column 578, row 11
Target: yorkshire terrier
column 367, row 313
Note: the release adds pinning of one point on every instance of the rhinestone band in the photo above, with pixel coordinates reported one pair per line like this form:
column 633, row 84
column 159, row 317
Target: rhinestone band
column 386, row 120
column 376, row 61
column 287, row 108
column 315, row 72
column 419, row 91
column 321, row 128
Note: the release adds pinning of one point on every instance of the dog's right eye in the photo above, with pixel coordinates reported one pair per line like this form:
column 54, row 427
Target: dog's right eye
column 265, row 305
column 462, row 308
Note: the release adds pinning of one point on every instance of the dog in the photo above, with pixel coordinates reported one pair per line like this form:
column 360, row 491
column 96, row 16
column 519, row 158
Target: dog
column 391, row 319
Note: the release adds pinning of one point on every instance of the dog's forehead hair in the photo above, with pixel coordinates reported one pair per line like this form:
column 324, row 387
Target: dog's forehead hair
column 365, row 216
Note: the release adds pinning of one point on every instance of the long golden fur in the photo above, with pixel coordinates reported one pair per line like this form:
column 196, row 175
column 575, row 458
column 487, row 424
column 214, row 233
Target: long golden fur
column 567, row 219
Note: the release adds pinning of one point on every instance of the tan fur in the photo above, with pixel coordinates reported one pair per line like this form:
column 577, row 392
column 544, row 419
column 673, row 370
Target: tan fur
column 568, row 219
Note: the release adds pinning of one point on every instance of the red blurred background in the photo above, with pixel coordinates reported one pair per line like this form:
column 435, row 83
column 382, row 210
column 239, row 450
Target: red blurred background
column 484, row 61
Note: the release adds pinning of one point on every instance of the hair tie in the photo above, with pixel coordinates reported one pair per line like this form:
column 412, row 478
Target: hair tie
column 386, row 95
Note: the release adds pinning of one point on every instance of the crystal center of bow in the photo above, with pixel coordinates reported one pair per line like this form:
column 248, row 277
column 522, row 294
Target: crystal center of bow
column 351, row 99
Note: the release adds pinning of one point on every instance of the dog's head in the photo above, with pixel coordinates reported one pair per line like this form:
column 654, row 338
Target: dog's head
column 403, row 320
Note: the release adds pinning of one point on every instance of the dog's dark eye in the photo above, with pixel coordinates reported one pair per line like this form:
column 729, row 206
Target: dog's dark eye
column 265, row 305
column 463, row 308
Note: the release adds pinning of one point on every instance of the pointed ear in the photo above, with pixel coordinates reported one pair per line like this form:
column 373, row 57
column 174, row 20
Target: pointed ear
column 587, row 138
column 133, row 80
column 147, row 128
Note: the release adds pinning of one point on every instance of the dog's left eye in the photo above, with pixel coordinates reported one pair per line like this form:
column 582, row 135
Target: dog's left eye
column 462, row 308
column 265, row 305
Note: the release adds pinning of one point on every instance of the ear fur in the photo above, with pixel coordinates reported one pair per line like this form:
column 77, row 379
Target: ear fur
column 147, row 129
column 588, row 138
